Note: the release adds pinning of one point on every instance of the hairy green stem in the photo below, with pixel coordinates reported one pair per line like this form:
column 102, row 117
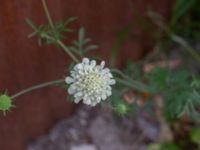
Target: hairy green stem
column 185, row 45
column 120, row 73
column 39, row 86
column 67, row 51
column 139, row 87
column 175, row 37
column 52, row 26
column 47, row 14
column 65, row 48
column 130, row 82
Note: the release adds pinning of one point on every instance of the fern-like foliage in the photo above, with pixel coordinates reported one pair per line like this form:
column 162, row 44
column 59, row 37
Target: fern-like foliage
column 81, row 46
column 48, row 34
column 179, row 90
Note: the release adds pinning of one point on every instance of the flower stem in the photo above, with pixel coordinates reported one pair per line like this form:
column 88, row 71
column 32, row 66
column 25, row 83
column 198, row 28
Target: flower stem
column 138, row 86
column 39, row 86
column 47, row 14
column 65, row 48
column 120, row 73
column 130, row 82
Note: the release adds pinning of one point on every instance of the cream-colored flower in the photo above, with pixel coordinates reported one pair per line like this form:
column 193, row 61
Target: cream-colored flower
column 90, row 82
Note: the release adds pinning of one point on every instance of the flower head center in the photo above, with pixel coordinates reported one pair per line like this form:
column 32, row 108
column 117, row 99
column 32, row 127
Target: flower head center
column 92, row 83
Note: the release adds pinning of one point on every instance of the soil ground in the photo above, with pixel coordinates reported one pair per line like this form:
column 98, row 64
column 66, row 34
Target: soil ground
column 99, row 129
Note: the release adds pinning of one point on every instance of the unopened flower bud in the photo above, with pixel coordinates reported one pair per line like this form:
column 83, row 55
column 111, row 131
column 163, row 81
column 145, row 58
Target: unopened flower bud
column 5, row 103
column 121, row 108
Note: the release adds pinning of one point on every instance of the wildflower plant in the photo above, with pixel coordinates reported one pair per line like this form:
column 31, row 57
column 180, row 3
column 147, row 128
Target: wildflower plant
column 92, row 82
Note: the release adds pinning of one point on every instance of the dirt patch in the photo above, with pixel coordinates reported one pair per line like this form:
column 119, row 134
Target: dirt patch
column 98, row 129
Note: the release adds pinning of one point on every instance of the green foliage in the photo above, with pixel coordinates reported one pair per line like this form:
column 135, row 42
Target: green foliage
column 81, row 46
column 195, row 136
column 120, row 39
column 157, row 79
column 180, row 97
column 183, row 27
column 180, row 9
column 133, row 70
column 179, row 89
column 185, row 18
column 47, row 33
column 54, row 35
column 163, row 147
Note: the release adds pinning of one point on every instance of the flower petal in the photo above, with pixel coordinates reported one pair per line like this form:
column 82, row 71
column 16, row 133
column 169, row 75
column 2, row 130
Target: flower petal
column 86, row 61
column 93, row 63
column 69, row 80
column 77, row 99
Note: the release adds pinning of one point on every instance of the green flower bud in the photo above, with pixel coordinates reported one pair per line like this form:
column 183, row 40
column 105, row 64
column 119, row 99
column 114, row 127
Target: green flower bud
column 121, row 108
column 5, row 103
column 43, row 34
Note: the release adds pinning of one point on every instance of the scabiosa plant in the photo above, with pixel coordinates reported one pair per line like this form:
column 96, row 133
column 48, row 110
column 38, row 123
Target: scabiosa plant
column 90, row 82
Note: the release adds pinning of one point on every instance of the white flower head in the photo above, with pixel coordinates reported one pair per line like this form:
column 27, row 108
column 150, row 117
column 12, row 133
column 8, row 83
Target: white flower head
column 90, row 82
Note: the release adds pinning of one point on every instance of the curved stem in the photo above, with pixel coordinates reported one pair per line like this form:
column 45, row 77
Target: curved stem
column 65, row 48
column 185, row 45
column 47, row 14
column 130, row 82
column 120, row 73
column 39, row 86
column 68, row 51
column 52, row 27
column 139, row 87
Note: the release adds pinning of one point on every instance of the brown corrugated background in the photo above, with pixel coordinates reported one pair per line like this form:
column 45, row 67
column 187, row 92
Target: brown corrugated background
column 23, row 63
